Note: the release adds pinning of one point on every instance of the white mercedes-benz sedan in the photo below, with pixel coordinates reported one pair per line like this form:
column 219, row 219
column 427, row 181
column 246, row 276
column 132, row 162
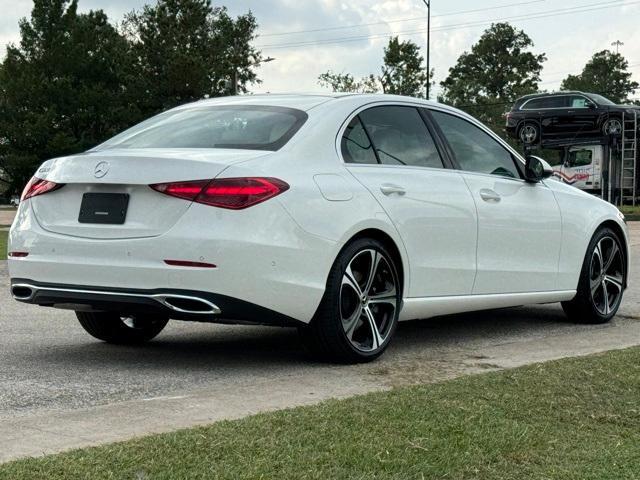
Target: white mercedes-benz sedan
column 337, row 214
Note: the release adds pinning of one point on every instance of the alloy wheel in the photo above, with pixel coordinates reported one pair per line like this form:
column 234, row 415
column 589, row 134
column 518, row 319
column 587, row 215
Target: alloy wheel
column 613, row 127
column 369, row 300
column 528, row 134
column 606, row 276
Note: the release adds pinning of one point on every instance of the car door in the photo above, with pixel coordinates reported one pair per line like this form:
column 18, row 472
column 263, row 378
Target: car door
column 559, row 114
column 390, row 150
column 519, row 223
column 580, row 118
column 541, row 111
column 579, row 167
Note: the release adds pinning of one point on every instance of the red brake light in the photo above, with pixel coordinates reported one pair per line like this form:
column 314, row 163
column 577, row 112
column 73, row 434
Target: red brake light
column 37, row 186
column 185, row 190
column 231, row 193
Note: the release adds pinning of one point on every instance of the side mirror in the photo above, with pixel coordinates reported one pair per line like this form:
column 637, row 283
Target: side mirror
column 591, row 106
column 536, row 169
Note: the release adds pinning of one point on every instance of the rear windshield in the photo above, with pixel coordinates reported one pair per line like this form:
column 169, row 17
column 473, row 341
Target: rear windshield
column 244, row 127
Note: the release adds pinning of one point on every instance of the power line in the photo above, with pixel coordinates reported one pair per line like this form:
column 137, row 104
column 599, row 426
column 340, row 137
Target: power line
column 359, row 25
column 562, row 74
column 549, row 13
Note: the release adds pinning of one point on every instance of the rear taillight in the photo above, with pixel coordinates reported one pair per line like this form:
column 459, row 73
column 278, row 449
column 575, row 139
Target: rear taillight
column 37, row 186
column 232, row 193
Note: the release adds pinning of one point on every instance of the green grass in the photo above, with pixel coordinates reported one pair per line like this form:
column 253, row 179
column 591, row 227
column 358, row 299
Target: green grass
column 570, row 419
column 3, row 245
column 632, row 213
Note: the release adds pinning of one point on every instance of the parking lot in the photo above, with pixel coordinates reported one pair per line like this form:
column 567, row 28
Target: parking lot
column 61, row 389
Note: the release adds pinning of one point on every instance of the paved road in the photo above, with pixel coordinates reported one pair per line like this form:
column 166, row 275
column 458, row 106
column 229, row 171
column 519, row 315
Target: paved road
column 60, row 389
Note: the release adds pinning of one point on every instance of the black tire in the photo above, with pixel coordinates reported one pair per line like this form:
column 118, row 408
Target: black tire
column 114, row 328
column 595, row 286
column 529, row 133
column 326, row 337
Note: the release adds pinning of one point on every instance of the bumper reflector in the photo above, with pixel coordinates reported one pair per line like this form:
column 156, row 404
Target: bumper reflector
column 18, row 254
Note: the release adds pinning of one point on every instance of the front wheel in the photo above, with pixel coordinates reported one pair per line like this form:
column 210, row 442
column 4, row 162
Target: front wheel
column 613, row 126
column 119, row 329
column 359, row 311
column 602, row 281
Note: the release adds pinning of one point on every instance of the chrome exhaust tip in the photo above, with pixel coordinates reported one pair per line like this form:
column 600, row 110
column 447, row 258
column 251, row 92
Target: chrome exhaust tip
column 22, row 292
column 186, row 304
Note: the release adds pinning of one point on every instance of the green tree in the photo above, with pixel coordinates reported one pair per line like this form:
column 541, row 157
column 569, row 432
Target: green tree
column 61, row 88
column 605, row 74
column 499, row 68
column 345, row 82
column 187, row 49
column 402, row 73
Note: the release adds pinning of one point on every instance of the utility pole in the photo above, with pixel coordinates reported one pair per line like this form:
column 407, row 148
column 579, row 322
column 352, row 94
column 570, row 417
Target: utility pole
column 617, row 44
column 235, row 80
column 428, row 4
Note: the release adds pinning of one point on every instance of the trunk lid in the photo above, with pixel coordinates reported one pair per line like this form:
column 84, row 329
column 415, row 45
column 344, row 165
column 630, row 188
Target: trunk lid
column 149, row 213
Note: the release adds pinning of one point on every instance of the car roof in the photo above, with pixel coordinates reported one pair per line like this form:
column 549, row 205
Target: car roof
column 308, row 101
column 552, row 94
column 301, row 101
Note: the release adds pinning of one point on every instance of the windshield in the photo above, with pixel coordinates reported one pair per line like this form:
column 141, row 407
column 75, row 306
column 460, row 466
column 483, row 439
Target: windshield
column 238, row 127
column 600, row 100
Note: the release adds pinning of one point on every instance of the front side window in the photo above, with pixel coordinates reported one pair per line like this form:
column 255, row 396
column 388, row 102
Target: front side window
column 237, row 127
column 474, row 149
column 400, row 137
column 580, row 158
column 580, row 102
column 356, row 147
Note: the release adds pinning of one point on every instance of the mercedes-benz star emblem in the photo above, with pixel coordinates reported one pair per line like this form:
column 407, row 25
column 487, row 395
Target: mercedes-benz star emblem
column 101, row 169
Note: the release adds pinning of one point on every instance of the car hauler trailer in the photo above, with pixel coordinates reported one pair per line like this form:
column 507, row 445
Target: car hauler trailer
column 606, row 166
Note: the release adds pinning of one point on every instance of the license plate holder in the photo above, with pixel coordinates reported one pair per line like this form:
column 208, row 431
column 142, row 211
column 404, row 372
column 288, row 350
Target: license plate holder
column 104, row 208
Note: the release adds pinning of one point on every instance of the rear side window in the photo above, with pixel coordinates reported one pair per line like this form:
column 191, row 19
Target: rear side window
column 356, row 147
column 400, row 137
column 474, row 149
column 238, row 127
column 546, row 102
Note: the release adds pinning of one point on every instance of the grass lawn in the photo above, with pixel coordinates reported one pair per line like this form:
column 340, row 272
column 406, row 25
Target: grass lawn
column 3, row 245
column 631, row 212
column 570, row 419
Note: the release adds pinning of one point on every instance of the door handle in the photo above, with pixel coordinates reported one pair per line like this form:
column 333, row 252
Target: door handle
column 489, row 195
column 390, row 189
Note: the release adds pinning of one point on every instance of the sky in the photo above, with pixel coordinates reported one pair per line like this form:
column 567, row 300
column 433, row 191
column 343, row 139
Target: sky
column 309, row 37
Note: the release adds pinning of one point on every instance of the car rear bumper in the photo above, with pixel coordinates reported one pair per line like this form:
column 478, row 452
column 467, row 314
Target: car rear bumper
column 261, row 257
column 173, row 303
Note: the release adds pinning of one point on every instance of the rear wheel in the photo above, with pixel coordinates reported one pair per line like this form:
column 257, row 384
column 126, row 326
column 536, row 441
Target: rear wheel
column 529, row 133
column 601, row 282
column 359, row 311
column 115, row 328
